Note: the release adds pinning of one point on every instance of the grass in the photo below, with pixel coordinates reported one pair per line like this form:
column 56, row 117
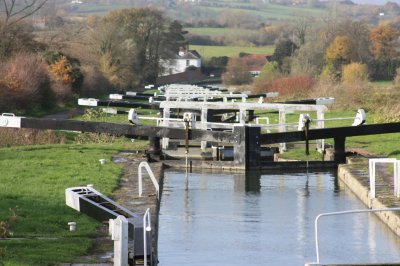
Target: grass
column 208, row 51
column 382, row 83
column 33, row 181
column 277, row 12
column 214, row 32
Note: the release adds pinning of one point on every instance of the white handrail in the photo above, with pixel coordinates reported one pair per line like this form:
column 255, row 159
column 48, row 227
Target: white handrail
column 146, row 228
column 152, row 177
column 339, row 213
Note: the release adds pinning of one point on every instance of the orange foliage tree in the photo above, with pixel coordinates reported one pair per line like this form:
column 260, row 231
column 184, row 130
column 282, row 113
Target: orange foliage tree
column 24, row 83
column 383, row 38
column 338, row 52
column 62, row 70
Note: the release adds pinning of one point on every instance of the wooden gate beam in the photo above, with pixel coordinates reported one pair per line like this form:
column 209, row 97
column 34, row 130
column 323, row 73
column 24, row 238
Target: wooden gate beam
column 326, row 133
column 125, row 129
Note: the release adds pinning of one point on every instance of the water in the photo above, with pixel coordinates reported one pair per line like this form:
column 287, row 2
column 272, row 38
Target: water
column 233, row 219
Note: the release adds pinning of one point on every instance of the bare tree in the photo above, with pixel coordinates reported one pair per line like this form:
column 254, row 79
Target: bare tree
column 15, row 35
column 15, row 11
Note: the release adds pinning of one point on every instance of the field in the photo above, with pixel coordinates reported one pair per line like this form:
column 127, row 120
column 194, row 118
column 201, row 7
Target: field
column 269, row 12
column 32, row 196
column 209, row 51
column 277, row 12
column 214, row 32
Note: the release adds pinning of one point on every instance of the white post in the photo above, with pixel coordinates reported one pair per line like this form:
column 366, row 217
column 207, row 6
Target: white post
column 321, row 124
column 372, row 179
column 146, row 228
column 119, row 233
column 282, row 127
column 242, row 116
column 165, row 123
column 204, row 126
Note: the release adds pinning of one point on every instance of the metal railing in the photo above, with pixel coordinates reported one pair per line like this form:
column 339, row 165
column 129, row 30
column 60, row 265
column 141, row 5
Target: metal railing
column 152, row 177
column 341, row 213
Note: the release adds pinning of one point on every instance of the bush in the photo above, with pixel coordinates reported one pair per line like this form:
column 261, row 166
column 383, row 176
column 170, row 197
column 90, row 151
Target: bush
column 354, row 72
column 289, row 86
column 24, row 84
column 237, row 72
column 295, row 86
column 347, row 96
column 95, row 83
column 12, row 137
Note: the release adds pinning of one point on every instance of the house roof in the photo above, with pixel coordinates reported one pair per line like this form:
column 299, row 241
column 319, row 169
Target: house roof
column 191, row 54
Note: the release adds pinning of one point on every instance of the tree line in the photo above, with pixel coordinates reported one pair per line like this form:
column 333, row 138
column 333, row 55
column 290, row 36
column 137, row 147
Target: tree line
column 120, row 51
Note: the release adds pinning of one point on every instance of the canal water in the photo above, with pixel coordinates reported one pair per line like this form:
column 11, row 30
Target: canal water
column 266, row 219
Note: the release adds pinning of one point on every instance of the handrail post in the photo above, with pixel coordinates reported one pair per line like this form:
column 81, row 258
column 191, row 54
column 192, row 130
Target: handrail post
column 146, row 228
column 152, row 177
column 119, row 233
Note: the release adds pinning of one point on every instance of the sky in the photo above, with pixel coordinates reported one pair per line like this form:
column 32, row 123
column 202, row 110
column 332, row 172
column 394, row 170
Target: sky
column 376, row 2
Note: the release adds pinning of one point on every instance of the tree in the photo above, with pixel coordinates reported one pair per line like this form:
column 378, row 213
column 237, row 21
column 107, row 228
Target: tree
column 15, row 35
column 15, row 12
column 308, row 59
column 300, row 28
column 283, row 49
column 139, row 39
column 24, row 83
column 384, row 38
column 338, row 53
column 356, row 33
column 237, row 72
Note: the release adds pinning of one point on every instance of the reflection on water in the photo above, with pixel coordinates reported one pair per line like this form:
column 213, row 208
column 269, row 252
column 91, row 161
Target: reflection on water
column 255, row 219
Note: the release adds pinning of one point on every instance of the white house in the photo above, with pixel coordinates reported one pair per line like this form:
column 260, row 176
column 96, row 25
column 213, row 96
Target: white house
column 181, row 61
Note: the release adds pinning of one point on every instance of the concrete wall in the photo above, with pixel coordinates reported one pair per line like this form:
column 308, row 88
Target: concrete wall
column 356, row 180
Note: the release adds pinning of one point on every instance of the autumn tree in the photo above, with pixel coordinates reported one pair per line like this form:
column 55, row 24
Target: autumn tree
column 237, row 71
column 356, row 33
column 337, row 54
column 384, row 38
column 339, row 51
column 24, row 83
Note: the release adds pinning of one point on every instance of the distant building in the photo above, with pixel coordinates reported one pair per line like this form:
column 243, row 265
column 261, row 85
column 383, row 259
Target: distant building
column 181, row 61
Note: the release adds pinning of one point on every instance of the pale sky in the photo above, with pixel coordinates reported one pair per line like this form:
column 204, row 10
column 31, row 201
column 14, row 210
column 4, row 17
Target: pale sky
column 376, row 2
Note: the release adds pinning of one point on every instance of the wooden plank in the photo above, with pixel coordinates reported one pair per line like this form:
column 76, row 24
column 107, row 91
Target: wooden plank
column 125, row 129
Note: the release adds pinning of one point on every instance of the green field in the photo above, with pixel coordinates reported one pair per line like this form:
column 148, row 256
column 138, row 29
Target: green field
column 209, row 51
column 33, row 186
column 277, row 12
column 215, row 32
column 271, row 12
